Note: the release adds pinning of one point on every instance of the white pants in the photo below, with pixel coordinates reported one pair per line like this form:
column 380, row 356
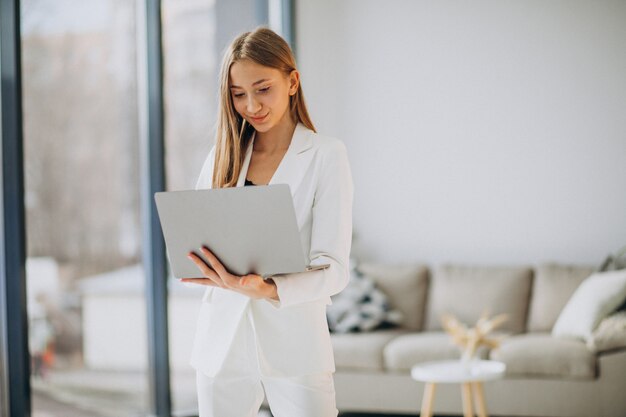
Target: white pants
column 238, row 389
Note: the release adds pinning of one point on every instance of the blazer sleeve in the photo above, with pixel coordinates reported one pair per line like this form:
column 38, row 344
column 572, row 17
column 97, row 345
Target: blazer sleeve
column 331, row 235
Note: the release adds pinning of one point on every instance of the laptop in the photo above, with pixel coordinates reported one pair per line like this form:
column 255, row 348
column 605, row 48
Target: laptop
column 251, row 230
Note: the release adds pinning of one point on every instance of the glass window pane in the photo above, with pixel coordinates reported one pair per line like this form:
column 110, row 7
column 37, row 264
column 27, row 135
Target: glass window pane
column 189, row 88
column 86, row 304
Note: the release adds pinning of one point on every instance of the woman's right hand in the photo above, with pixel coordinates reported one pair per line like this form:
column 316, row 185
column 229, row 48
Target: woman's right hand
column 216, row 275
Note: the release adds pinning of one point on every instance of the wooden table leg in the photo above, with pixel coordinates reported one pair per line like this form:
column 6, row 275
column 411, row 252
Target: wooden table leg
column 428, row 399
column 468, row 409
column 480, row 399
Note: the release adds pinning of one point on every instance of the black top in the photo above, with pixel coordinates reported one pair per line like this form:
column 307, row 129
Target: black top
column 248, row 182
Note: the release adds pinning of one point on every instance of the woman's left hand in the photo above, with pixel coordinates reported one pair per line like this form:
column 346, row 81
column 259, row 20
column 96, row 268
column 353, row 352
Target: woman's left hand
column 215, row 275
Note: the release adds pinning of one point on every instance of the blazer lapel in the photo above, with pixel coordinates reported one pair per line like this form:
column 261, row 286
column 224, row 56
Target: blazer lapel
column 246, row 162
column 294, row 164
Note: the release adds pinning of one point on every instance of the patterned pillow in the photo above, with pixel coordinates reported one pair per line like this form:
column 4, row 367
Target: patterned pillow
column 361, row 306
column 610, row 334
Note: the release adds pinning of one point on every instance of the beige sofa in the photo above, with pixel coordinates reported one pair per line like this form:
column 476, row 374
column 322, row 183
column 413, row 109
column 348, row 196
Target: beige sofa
column 546, row 376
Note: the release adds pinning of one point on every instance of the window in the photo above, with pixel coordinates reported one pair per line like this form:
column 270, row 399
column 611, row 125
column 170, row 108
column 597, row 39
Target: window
column 86, row 304
column 190, row 76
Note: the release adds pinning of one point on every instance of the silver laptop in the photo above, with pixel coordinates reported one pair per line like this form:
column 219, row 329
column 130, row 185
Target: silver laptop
column 249, row 229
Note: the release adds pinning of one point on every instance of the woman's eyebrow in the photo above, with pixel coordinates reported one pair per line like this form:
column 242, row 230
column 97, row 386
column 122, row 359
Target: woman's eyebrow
column 253, row 84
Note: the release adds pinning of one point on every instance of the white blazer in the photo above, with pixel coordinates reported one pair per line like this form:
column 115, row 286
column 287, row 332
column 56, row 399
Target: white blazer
column 292, row 334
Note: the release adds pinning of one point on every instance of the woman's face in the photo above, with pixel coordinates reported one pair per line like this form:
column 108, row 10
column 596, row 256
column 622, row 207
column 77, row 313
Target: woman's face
column 261, row 94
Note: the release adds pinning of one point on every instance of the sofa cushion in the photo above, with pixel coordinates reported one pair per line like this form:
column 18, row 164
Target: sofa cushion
column 553, row 285
column 541, row 355
column 405, row 286
column 467, row 291
column 362, row 350
column 405, row 351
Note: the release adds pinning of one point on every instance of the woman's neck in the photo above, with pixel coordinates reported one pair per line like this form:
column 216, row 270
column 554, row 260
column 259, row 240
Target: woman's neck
column 277, row 138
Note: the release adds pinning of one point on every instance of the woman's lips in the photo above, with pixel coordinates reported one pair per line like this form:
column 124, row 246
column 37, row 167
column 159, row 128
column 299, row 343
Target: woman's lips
column 258, row 119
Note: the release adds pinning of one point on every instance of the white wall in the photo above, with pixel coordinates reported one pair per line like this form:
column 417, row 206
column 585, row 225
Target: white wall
column 479, row 132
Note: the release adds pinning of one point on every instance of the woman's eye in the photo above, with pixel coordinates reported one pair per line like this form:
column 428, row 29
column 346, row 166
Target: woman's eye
column 262, row 91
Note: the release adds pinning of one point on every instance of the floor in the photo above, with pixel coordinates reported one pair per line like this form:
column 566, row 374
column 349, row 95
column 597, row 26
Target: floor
column 112, row 394
column 44, row 406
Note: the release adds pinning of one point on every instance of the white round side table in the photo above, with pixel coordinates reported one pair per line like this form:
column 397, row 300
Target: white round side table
column 470, row 376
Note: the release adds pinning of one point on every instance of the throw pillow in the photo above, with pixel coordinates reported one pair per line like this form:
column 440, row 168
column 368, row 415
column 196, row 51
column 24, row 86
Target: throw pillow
column 614, row 261
column 595, row 298
column 360, row 307
column 610, row 334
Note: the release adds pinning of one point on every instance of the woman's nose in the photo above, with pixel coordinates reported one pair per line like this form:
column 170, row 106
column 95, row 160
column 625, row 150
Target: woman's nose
column 252, row 106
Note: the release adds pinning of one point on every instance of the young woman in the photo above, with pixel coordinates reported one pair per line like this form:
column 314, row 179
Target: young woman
column 258, row 336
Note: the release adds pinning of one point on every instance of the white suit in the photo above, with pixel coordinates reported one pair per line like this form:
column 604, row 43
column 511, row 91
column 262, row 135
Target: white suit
column 292, row 335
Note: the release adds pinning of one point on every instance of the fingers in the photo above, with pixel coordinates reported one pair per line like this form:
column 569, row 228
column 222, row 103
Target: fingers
column 247, row 284
column 201, row 281
column 227, row 278
column 206, row 270
column 213, row 261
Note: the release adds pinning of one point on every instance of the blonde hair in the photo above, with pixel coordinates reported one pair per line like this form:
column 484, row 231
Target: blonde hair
column 233, row 132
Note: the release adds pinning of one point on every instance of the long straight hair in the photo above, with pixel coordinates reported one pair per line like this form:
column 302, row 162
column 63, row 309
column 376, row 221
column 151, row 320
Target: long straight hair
column 233, row 134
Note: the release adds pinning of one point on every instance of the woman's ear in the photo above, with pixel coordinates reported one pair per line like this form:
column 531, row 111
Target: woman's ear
column 294, row 82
